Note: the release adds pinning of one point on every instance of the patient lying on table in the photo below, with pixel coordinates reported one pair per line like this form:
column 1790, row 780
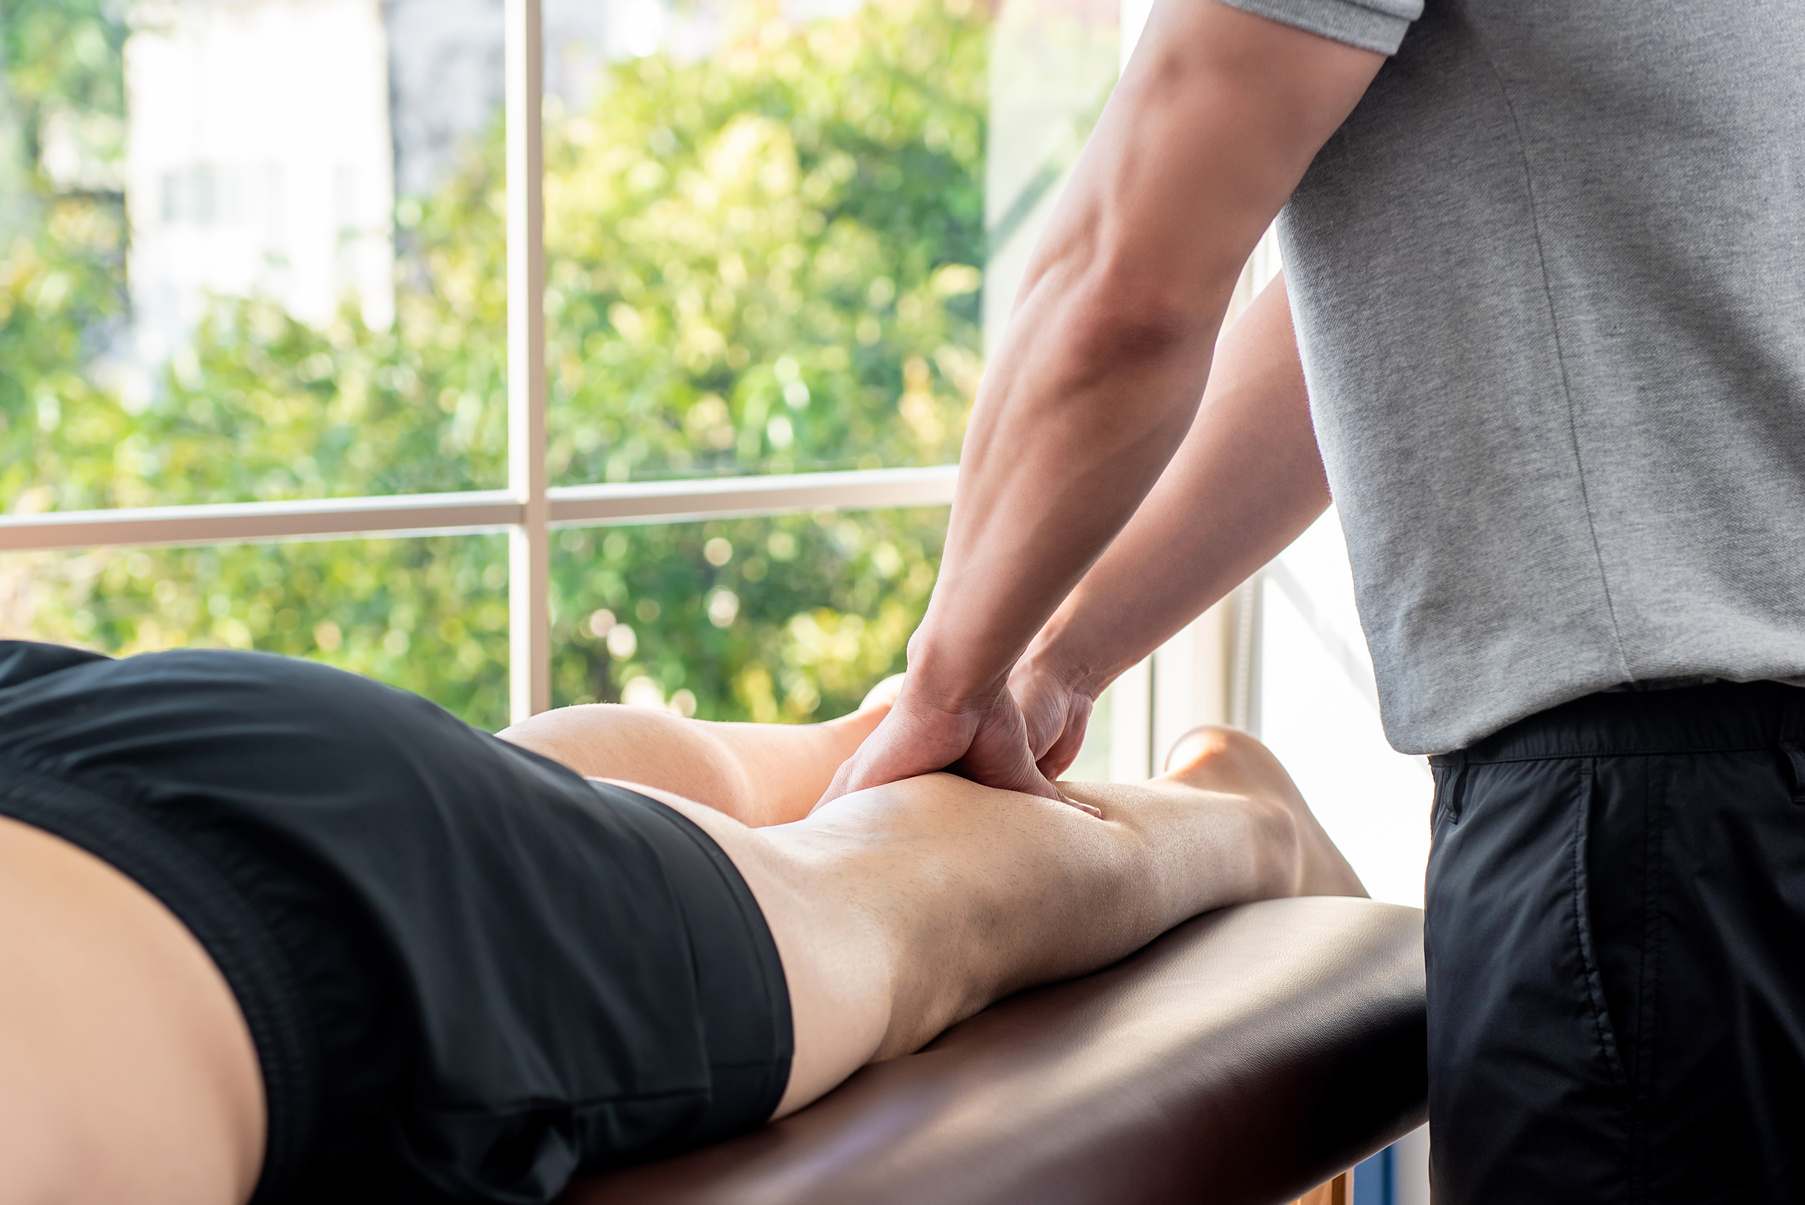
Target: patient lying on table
column 274, row 931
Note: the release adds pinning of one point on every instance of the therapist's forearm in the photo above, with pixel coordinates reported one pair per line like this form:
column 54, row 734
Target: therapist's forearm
column 1105, row 358
column 1245, row 482
column 1055, row 463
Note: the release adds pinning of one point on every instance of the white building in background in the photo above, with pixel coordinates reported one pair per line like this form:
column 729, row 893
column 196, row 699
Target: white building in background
column 445, row 61
column 445, row 84
column 267, row 141
column 258, row 161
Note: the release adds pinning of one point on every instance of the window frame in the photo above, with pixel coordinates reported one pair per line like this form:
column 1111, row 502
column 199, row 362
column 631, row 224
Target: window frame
column 528, row 509
column 1208, row 673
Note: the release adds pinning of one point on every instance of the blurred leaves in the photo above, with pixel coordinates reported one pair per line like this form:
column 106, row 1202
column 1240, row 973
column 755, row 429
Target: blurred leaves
column 746, row 253
column 763, row 261
column 802, row 614
column 428, row 615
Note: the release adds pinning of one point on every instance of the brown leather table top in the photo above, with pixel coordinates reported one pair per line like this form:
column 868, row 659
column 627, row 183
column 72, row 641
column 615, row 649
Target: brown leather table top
column 1246, row 1056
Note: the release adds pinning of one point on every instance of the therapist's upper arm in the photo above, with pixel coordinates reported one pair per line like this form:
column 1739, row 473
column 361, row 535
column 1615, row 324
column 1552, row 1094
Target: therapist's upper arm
column 1218, row 113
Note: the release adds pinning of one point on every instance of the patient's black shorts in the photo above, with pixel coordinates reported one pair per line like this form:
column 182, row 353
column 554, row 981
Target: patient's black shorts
column 469, row 973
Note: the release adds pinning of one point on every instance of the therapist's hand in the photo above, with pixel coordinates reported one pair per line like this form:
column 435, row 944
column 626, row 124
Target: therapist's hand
column 984, row 740
column 1097, row 381
column 1055, row 713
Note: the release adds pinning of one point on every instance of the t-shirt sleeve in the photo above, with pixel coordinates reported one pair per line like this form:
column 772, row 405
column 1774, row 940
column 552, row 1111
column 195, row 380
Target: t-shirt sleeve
column 1370, row 24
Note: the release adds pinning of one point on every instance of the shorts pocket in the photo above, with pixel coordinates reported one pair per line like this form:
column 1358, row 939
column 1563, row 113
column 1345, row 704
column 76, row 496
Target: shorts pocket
column 1585, row 932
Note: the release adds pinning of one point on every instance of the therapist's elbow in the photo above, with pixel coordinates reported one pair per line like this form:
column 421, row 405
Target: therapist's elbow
column 1104, row 302
column 1111, row 332
column 1112, row 326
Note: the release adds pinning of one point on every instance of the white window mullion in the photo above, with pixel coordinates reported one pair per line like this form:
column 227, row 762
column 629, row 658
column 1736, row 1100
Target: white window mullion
column 684, row 501
column 529, row 550
column 260, row 522
column 473, row 511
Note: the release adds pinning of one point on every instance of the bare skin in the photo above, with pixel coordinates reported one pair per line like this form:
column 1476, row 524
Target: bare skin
column 760, row 774
column 900, row 910
column 1095, row 385
column 127, row 1073
column 1254, row 423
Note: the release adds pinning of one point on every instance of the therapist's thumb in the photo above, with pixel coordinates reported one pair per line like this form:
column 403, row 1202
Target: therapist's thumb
column 891, row 753
column 999, row 755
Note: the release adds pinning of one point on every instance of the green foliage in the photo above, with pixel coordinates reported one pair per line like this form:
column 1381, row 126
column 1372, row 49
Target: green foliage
column 58, row 295
column 429, row 615
column 765, row 619
column 766, row 260
column 62, row 251
column 63, row 56
column 762, row 261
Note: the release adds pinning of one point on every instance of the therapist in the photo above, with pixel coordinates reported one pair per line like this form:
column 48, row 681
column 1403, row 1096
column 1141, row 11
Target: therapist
column 1546, row 261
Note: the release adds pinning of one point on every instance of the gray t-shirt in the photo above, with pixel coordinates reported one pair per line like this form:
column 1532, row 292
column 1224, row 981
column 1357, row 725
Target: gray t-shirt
column 1549, row 283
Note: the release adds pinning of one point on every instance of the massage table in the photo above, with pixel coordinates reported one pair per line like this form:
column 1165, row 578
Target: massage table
column 1247, row 1056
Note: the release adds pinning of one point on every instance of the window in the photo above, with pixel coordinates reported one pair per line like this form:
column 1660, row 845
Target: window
column 776, row 618
column 278, row 270
column 522, row 355
column 1318, row 710
column 428, row 614
column 765, row 243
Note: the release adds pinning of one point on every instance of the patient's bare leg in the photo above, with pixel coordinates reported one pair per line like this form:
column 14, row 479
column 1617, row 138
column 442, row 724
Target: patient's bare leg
column 900, row 910
column 757, row 773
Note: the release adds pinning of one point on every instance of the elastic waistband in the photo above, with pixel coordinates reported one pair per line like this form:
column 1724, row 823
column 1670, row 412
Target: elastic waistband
column 1714, row 718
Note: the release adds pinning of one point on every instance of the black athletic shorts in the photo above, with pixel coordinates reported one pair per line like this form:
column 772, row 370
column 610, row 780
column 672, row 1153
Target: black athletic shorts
column 469, row 973
column 1616, row 950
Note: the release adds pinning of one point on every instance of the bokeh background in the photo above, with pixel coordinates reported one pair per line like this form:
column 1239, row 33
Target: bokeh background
column 253, row 249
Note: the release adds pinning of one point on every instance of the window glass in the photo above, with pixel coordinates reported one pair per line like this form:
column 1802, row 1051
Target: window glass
column 429, row 615
column 249, row 249
column 1318, row 710
column 1053, row 64
column 790, row 618
column 1093, row 763
column 254, row 249
column 766, row 235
